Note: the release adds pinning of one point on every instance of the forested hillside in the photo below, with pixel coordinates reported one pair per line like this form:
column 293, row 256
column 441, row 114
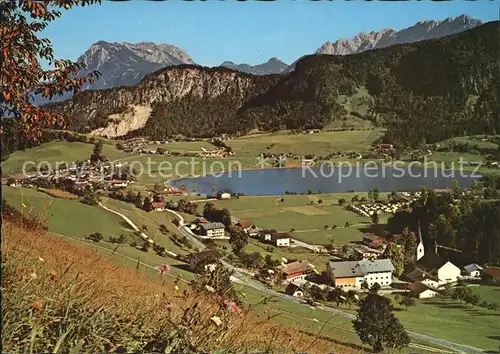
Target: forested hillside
column 422, row 92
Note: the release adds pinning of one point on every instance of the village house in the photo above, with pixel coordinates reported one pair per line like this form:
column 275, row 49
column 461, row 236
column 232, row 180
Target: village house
column 223, row 195
column 296, row 271
column 158, row 206
column 116, row 184
column 279, row 239
column 385, row 147
column 492, row 274
column 351, row 274
column 294, row 290
column 423, row 291
column 432, row 269
column 372, row 240
column 364, row 252
column 212, row 229
column 209, row 256
column 473, row 270
column 245, row 225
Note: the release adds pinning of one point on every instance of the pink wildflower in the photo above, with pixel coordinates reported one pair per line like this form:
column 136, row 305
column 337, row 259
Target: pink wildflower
column 231, row 306
column 169, row 306
column 163, row 269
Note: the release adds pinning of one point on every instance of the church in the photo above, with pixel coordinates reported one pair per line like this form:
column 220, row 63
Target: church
column 431, row 269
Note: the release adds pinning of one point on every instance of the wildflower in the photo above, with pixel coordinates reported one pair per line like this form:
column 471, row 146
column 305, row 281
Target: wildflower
column 231, row 306
column 216, row 320
column 41, row 259
column 209, row 288
column 163, row 269
column 315, row 320
column 53, row 275
column 37, row 306
column 170, row 306
column 176, row 288
column 33, row 275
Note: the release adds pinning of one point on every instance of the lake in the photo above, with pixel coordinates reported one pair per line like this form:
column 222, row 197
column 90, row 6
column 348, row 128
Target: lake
column 327, row 180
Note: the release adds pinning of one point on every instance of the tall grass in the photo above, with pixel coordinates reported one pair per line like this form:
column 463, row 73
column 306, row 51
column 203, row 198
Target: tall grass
column 62, row 298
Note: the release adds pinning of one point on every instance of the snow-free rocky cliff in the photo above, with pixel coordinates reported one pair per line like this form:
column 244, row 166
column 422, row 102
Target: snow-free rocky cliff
column 128, row 108
column 422, row 30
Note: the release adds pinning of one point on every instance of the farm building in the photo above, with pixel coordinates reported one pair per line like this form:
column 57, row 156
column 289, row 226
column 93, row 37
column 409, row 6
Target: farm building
column 473, row 270
column 423, row 291
column 351, row 274
column 296, row 270
column 212, row 229
column 210, row 257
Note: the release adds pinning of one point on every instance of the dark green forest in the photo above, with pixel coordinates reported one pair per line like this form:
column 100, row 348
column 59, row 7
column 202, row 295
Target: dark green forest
column 456, row 220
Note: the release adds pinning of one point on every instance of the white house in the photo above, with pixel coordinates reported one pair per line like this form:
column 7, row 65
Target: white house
column 422, row 290
column 279, row 239
column 434, row 270
column 223, row 195
column 212, row 229
column 351, row 274
column 209, row 257
column 473, row 270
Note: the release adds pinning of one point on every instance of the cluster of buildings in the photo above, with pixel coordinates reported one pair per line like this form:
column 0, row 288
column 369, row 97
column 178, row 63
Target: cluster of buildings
column 398, row 202
column 81, row 176
column 216, row 230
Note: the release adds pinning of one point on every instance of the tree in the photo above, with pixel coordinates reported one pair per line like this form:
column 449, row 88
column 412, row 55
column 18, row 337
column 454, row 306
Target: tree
column 342, row 201
column 396, row 255
column 337, row 295
column 407, row 301
column 375, row 288
column 317, row 294
column 238, row 239
column 96, row 237
column 365, row 286
column 375, row 218
column 409, row 240
column 90, row 198
column 148, row 204
column 22, row 73
column 377, row 326
column 97, row 152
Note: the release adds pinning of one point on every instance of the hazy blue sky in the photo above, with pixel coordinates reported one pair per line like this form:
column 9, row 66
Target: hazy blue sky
column 251, row 32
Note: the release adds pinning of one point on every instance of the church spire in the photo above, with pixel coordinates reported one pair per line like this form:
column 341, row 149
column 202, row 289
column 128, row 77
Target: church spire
column 420, row 245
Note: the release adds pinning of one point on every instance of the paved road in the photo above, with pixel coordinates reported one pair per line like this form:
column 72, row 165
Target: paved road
column 305, row 245
column 243, row 277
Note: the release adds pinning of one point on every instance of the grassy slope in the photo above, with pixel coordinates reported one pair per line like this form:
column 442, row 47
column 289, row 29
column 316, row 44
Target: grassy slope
column 65, row 216
column 319, row 144
column 151, row 220
column 448, row 319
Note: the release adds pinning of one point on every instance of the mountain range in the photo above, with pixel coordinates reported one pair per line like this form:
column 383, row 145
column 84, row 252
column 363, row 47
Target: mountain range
column 272, row 66
column 125, row 64
column 420, row 92
column 421, row 31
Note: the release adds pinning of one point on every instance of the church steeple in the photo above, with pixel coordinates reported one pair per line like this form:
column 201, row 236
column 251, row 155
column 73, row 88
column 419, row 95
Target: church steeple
column 420, row 245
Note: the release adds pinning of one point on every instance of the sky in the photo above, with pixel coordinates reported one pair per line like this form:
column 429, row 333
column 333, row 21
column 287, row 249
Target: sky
column 212, row 32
